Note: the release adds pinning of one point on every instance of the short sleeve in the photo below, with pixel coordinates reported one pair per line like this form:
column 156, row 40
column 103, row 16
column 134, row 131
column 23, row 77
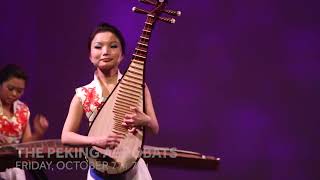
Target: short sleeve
column 80, row 94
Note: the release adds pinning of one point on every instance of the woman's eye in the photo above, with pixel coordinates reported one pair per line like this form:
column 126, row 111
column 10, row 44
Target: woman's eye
column 114, row 46
column 97, row 47
column 10, row 88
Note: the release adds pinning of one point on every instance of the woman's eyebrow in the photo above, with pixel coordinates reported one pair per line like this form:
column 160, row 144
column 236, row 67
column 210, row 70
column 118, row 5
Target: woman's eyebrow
column 102, row 42
column 15, row 87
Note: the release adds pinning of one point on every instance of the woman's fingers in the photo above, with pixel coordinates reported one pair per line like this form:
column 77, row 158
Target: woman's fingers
column 40, row 124
column 133, row 130
column 44, row 122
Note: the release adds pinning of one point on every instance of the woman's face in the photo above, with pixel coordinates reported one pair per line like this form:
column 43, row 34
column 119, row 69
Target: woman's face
column 11, row 90
column 106, row 51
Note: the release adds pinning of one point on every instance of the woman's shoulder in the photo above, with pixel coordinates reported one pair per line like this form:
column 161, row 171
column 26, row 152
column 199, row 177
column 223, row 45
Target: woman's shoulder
column 22, row 109
column 86, row 87
column 19, row 104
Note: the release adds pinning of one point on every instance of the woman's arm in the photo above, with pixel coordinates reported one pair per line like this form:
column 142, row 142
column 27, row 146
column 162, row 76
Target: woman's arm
column 152, row 124
column 69, row 133
column 72, row 124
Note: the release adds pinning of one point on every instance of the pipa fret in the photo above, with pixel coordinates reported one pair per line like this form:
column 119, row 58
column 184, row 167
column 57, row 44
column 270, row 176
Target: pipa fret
column 121, row 108
column 140, row 50
column 132, row 86
column 127, row 99
column 125, row 103
column 138, row 62
column 133, row 81
column 128, row 96
column 122, row 105
column 129, row 92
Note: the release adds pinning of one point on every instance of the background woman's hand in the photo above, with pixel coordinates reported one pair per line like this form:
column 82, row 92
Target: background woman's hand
column 40, row 124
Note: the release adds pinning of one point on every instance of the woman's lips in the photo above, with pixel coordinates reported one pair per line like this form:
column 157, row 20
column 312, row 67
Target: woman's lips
column 11, row 99
column 106, row 59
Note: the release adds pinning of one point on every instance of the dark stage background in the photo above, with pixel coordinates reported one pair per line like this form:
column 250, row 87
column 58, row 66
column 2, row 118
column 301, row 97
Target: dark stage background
column 234, row 79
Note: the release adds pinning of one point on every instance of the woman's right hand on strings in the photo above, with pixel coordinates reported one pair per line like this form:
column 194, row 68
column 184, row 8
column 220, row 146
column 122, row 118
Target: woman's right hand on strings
column 110, row 141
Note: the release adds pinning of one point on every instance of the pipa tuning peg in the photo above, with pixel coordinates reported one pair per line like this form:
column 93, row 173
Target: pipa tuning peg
column 172, row 12
column 139, row 10
column 149, row 2
column 167, row 20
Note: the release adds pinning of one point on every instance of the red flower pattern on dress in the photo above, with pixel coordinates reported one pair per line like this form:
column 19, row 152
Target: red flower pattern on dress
column 9, row 128
column 91, row 99
column 14, row 127
column 22, row 113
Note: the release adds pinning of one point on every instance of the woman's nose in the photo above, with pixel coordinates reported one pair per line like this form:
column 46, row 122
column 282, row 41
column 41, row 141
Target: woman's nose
column 105, row 50
column 14, row 93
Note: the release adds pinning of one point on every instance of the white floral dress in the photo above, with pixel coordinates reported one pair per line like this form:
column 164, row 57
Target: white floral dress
column 91, row 99
column 12, row 128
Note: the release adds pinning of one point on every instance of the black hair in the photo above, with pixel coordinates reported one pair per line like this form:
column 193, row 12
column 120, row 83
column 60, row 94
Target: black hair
column 12, row 70
column 105, row 27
